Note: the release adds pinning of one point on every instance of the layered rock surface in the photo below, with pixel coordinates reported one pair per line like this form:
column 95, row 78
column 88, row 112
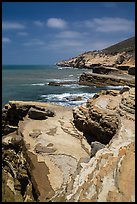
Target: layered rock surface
column 89, row 78
column 114, row 65
column 119, row 55
column 47, row 154
column 99, row 58
column 51, row 160
column 109, row 176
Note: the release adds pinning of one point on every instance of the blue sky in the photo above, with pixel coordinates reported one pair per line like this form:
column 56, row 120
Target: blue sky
column 46, row 32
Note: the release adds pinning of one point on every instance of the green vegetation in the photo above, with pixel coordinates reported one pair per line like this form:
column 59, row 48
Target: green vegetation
column 126, row 45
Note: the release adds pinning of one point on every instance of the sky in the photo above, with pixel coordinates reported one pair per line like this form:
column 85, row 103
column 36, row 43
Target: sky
column 47, row 32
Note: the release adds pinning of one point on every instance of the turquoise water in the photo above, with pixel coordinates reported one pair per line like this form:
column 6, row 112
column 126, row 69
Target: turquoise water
column 30, row 83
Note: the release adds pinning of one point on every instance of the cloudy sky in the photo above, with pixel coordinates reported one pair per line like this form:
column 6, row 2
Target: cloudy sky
column 46, row 32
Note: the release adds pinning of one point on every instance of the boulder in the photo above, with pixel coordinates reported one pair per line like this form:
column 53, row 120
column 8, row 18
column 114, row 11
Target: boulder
column 37, row 114
column 125, row 88
column 96, row 146
column 131, row 70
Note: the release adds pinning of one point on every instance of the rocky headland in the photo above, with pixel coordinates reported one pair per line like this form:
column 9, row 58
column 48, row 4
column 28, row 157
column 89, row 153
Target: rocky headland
column 106, row 66
column 52, row 153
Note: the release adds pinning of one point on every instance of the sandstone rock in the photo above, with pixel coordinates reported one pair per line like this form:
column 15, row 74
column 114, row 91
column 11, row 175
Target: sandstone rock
column 41, row 171
column 96, row 121
column 35, row 133
column 111, row 169
column 101, row 80
column 118, row 54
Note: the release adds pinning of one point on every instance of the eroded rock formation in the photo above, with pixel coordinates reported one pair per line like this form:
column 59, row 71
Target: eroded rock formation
column 119, row 55
column 42, row 155
column 109, row 176
column 88, row 78
column 51, row 160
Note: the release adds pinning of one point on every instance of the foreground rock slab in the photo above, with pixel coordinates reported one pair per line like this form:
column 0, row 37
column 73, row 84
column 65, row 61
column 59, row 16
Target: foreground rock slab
column 85, row 157
column 109, row 176
column 51, row 149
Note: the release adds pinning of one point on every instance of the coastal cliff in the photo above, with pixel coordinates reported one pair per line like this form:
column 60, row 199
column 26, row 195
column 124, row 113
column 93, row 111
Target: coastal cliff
column 114, row 65
column 55, row 153
column 119, row 56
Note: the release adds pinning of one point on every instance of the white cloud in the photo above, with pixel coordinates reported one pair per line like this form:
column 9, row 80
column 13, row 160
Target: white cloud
column 6, row 25
column 39, row 23
column 6, row 40
column 113, row 24
column 56, row 23
column 34, row 42
column 107, row 24
column 22, row 34
column 69, row 34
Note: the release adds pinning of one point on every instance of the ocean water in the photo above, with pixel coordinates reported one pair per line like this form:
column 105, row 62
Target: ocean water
column 30, row 83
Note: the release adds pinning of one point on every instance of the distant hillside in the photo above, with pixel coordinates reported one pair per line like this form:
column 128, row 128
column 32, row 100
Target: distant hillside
column 124, row 46
column 120, row 54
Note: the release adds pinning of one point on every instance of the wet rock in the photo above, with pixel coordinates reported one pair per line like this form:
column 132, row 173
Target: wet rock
column 131, row 70
column 125, row 88
column 77, row 98
column 104, row 70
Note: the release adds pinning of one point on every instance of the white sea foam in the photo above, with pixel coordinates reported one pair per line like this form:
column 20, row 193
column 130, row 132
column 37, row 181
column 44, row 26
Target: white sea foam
column 114, row 87
column 38, row 84
column 67, row 99
column 61, row 80
column 73, row 86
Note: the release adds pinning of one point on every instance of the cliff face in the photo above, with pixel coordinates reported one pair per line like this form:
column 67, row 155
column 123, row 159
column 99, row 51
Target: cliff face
column 118, row 55
column 109, row 176
column 56, row 156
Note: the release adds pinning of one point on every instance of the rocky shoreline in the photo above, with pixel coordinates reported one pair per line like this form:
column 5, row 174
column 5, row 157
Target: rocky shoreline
column 54, row 153
column 114, row 65
column 106, row 80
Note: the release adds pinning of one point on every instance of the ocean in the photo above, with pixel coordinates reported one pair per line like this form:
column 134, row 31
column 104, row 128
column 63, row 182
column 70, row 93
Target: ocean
column 30, row 83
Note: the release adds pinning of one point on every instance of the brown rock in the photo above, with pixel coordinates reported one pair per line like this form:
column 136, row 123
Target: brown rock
column 35, row 133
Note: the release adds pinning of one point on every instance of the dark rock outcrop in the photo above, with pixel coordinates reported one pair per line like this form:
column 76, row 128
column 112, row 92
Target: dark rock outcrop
column 106, row 80
column 131, row 70
column 13, row 112
column 39, row 115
